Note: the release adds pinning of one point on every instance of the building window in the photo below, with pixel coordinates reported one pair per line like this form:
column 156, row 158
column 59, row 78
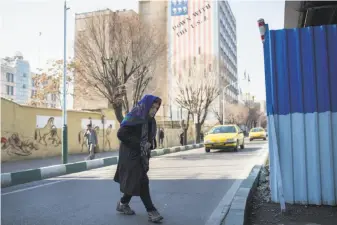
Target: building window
column 24, row 86
column 199, row 50
column 194, row 60
column 10, row 77
column 24, row 75
column 10, row 90
column 210, row 67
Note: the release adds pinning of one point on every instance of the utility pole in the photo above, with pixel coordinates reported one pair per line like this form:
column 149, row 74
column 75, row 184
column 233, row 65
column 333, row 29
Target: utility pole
column 64, row 108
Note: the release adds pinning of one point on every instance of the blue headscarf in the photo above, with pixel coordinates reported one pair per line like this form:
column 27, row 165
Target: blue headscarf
column 139, row 113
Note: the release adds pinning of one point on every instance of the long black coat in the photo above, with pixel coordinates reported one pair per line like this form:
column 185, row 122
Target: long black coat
column 130, row 173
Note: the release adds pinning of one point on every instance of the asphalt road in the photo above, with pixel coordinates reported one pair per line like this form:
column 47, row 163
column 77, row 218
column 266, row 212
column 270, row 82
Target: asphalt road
column 186, row 187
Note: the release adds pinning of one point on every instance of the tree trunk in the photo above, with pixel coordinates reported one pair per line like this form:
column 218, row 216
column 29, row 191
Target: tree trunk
column 186, row 128
column 197, row 132
column 118, row 109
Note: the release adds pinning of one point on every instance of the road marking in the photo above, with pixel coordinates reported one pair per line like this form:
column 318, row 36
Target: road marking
column 222, row 209
column 30, row 188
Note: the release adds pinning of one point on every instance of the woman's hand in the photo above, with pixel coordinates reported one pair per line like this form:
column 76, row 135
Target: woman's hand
column 147, row 146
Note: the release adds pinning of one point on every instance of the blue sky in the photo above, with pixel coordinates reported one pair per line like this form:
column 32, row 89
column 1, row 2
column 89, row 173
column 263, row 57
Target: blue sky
column 22, row 20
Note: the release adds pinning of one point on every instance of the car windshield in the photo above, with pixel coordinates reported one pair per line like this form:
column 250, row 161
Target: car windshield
column 224, row 129
column 257, row 130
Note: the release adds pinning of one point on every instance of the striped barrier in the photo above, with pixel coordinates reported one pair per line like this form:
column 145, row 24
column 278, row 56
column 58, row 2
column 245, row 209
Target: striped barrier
column 26, row 176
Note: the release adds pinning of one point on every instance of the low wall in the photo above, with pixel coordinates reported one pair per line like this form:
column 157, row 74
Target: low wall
column 32, row 133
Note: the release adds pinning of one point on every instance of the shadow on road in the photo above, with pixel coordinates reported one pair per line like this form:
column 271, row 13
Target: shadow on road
column 92, row 201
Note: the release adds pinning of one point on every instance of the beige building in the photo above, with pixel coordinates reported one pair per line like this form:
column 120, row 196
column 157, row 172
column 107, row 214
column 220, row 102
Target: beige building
column 86, row 99
column 157, row 86
column 154, row 13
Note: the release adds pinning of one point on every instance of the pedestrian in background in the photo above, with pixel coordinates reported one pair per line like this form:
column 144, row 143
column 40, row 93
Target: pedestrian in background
column 137, row 133
column 91, row 136
column 161, row 137
column 181, row 137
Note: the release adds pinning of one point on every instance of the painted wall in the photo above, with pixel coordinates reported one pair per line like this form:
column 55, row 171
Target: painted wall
column 301, row 78
column 191, row 39
column 29, row 132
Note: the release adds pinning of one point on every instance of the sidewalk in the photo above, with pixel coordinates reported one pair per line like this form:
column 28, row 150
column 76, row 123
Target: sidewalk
column 264, row 212
column 8, row 167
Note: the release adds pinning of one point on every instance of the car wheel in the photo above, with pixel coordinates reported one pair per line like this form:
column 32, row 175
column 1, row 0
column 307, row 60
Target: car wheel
column 243, row 145
column 251, row 139
column 207, row 150
column 264, row 139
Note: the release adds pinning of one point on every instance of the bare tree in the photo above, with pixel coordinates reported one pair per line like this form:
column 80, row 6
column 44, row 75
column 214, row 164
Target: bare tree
column 253, row 117
column 264, row 121
column 116, row 55
column 47, row 83
column 234, row 114
column 197, row 88
column 217, row 114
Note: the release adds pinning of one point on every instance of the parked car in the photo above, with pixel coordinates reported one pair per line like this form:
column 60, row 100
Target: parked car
column 257, row 133
column 224, row 137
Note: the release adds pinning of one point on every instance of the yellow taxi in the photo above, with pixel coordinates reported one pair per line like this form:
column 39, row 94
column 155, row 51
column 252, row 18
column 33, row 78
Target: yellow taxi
column 257, row 133
column 224, row 137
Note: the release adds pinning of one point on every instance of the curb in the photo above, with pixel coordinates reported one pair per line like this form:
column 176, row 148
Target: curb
column 26, row 176
column 239, row 209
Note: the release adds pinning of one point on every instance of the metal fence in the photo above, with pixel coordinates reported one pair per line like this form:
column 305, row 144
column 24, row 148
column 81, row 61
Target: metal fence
column 301, row 86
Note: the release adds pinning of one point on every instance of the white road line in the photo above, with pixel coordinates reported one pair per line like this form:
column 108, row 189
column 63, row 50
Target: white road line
column 221, row 210
column 30, row 188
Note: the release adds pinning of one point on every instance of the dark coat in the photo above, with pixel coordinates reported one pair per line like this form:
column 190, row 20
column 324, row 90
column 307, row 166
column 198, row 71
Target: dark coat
column 130, row 173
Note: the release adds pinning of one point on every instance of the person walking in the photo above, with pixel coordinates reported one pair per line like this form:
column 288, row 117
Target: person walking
column 91, row 136
column 181, row 139
column 161, row 137
column 136, row 134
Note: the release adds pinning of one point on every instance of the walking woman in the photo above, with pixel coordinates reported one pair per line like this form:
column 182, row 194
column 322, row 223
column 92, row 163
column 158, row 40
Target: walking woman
column 137, row 133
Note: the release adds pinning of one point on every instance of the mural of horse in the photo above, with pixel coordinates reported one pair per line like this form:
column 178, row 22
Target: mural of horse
column 83, row 140
column 48, row 130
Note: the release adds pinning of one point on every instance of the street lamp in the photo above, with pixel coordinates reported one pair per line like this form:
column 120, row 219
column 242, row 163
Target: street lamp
column 224, row 98
column 64, row 108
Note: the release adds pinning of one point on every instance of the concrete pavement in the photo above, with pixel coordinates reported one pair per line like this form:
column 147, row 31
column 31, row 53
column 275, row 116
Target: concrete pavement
column 186, row 187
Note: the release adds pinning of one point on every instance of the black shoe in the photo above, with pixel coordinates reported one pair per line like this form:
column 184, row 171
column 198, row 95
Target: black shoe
column 155, row 217
column 125, row 209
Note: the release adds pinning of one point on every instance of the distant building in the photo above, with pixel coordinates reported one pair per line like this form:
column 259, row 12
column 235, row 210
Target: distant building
column 15, row 78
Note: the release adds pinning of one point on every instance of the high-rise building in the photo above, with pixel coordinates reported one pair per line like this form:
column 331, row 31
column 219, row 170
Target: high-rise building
column 204, row 33
column 15, row 78
column 228, row 49
column 199, row 33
